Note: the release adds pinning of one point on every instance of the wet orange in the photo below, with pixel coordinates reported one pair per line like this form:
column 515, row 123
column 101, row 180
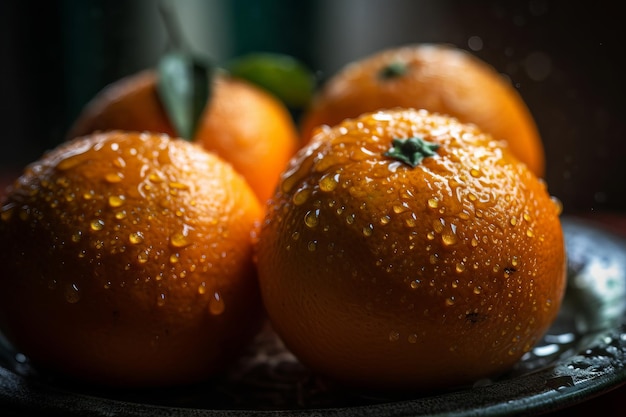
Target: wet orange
column 243, row 124
column 436, row 77
column 127, row 261
column 380, row 274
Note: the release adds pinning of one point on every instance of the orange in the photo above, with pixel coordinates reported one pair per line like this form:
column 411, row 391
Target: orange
column 127, row 261
column 436, row 77
column 243, row 124
column 380, row 274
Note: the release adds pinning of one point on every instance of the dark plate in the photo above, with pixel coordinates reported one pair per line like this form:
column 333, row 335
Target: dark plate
column 583, row 355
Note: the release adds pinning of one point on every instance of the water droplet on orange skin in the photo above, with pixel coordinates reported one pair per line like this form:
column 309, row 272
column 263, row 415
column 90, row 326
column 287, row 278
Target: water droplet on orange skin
column 97, row 224
column 179, row 240
column 216, row 304
column 72, row 293
column 116, row 200
column 114, row 177
column 311, row 218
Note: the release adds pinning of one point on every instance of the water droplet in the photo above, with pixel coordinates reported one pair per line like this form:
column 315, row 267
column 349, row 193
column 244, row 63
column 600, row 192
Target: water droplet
column 557, row 204
column 301, row 196
column 450, row 301
column 295, row 235
column 412, row 338
column 329, row 182
column 202, row 288
column 368, row 230
column 433, row 202
column 477, row 290
column 399, row 208
column 142, row 257
column 312, row 246
column 394, row 336
column 460, row 267
column 384, row 220
column 513, row 221
column 474, row 242
column 530, row 233
column 135, row 237
column 114, row 177
column 160, row 300
column 120, row 215
column 97, row 224
column 144, row 189
column 449, row 238
column 438, row 225
column 7, row 212
column 311, row 218
column 411, row 221
column 76, row 236
column 475, row 172
column 175, row 185
column 154, row 177
column 70, row 162
column 415, row 284
column 119, row 162
column 62, row 182
column 216, row 304
column 72, row 293
column 116, row 200
column 527, row 217
column 180, row 239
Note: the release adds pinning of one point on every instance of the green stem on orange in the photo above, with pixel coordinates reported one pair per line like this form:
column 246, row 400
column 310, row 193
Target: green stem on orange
column 411, row 151
column 393, row 70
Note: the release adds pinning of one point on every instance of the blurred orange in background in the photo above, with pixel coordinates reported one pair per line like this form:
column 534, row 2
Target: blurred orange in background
column 436, row 77
column 242, row 123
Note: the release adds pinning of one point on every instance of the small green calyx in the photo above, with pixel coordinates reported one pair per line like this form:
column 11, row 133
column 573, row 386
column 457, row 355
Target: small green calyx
column 411, row 151
column 393, row 70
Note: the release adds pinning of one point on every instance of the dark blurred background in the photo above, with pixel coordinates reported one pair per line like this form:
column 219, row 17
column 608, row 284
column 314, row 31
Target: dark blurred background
column 564, row 57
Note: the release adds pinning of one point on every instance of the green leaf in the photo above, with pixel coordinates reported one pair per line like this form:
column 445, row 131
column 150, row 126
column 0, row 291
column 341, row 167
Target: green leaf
column 282, row 75
column 184, row 89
